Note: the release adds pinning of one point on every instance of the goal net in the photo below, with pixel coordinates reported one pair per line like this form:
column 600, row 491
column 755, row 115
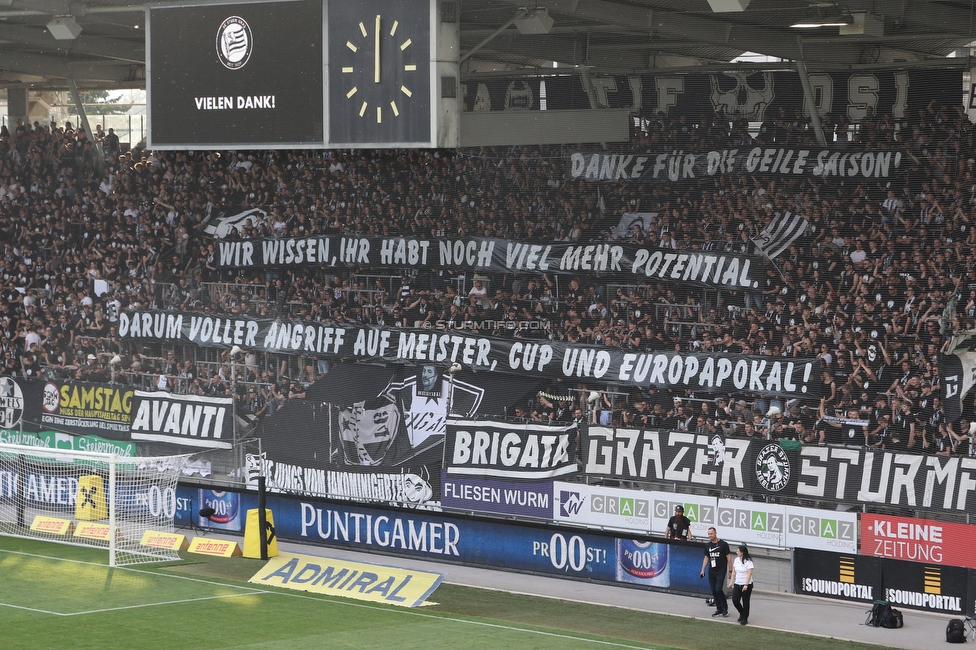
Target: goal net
column 90, row 499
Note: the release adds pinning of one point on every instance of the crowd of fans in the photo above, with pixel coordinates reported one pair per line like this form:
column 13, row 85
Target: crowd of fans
column 873, row 289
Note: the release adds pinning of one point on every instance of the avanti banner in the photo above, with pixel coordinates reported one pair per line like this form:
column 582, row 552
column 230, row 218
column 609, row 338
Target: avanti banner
column 702, row 373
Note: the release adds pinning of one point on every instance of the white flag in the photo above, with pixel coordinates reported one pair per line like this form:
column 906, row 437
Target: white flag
column 782, row 231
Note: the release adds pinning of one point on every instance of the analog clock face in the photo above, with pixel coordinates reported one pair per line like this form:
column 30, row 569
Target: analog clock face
column 379, row 72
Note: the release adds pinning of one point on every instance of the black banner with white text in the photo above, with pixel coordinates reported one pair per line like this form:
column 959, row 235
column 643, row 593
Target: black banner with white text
column 701, row 268
column 702, row 373
column 836, row 473
column 529, row 450
column 678, row 166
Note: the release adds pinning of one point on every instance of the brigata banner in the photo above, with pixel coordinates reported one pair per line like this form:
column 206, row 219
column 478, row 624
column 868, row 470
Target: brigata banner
column 708, row 269
column 702, row 373
column 511, row 450
column 678, row 166
column 185, row 420
column 918, row 540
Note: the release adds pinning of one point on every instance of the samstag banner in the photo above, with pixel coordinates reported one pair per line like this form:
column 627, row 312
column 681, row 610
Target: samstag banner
column 510, row 450
column 186, row 420
column 708, row 269
column 77, row 408
column 702, row 373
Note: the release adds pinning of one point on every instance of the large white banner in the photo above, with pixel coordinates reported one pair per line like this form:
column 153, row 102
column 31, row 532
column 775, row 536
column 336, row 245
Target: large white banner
column 737, row 521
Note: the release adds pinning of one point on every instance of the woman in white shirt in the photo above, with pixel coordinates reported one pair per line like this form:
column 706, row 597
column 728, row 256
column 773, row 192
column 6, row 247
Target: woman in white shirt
column 740, row 579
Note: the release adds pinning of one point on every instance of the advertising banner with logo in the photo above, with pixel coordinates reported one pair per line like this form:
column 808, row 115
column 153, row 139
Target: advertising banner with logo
column 522, row 450
column 532, row 500
column 639, row 511
column 779, row 526
column 257, row 74
column 184, row 420
column 921, row 585
column 750, row 522
column 837, row 575
column 702, row 373
column 57, row 440
column 75, row 407
column 492, row 255
column 580, row 555
column 918, row 540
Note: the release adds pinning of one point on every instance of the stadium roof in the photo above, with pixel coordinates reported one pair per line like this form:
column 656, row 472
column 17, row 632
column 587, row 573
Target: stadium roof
column 102, row 44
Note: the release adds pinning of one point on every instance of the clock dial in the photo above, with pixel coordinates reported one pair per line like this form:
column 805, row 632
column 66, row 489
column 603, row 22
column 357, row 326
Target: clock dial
column 380, row 72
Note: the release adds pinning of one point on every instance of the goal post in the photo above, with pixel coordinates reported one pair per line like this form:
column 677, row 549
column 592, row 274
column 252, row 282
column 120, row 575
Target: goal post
column 90, row 499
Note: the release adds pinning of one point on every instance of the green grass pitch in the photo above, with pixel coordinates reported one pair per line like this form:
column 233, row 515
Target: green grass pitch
column 56, row 596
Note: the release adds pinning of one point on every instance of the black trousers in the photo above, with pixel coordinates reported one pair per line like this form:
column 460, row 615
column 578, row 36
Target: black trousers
column 716, row 580
column 740, row 599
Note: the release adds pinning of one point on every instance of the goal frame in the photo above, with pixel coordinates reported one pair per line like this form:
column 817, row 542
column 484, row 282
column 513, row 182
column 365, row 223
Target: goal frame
column 107, row 462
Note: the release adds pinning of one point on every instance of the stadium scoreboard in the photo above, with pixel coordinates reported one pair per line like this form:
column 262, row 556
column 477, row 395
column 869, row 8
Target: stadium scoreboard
column 302, row 74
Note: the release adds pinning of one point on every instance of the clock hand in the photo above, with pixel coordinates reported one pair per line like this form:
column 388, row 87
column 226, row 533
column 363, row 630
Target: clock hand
column 376, row 46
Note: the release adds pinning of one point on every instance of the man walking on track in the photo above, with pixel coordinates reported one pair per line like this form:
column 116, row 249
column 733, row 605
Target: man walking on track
column 717, row 559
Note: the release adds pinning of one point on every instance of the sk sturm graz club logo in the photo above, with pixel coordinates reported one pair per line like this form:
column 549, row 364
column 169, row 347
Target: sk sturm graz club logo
column 11, row 403
column 773, row 468
column 234, row 42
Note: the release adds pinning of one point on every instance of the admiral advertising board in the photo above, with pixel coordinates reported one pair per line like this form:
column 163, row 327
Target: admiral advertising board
column 750, row 522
